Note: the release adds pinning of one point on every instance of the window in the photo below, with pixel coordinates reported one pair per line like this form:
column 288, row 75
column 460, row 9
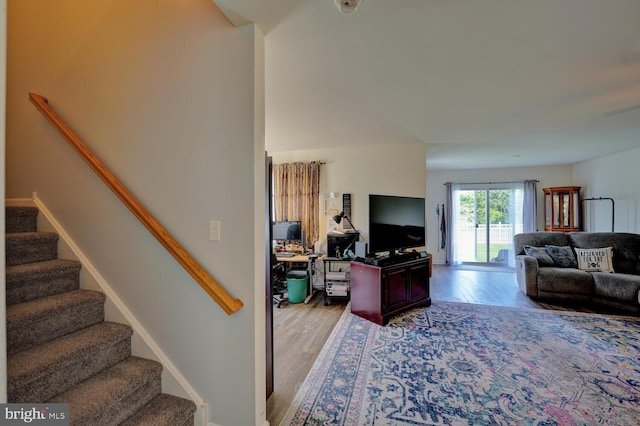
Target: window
column 296, row 190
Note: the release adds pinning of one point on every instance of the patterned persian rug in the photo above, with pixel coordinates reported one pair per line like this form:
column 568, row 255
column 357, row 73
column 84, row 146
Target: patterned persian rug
column 460, row 364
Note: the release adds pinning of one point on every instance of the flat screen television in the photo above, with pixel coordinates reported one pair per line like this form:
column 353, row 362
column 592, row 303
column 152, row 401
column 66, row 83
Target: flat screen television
column 287, row 231
column 395, row 223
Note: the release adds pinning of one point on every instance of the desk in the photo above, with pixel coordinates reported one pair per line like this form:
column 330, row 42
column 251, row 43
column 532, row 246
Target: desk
column 301, row 258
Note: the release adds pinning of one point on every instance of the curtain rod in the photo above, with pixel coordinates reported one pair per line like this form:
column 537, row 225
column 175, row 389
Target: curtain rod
column 488, row 183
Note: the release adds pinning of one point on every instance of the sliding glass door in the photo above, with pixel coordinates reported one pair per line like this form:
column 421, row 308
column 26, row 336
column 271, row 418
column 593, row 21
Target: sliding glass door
column 485, row 222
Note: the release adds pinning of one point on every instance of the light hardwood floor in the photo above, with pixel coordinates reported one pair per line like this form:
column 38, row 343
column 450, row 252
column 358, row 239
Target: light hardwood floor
column 300, row 330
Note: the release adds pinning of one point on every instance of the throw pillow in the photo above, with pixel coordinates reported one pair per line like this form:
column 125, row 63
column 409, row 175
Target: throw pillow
column 541, row 255
column 562, row 256
column 597, row 259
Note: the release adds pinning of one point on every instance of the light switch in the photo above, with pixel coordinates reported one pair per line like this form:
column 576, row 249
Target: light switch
column 214, row 230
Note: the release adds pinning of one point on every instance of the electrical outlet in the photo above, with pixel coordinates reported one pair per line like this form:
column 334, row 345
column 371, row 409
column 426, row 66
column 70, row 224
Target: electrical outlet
column 214, row 230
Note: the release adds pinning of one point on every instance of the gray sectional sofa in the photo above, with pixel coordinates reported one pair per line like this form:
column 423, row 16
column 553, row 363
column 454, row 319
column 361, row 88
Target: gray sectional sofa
column 618, row 291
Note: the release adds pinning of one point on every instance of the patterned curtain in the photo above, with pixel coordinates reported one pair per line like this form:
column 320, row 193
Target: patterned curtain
column 296, row 190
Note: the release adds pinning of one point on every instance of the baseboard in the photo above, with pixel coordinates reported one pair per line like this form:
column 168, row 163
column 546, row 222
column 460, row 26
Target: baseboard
column 142, row 344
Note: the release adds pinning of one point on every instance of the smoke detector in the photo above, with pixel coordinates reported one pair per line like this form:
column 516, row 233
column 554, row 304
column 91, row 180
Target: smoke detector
column 347, row 7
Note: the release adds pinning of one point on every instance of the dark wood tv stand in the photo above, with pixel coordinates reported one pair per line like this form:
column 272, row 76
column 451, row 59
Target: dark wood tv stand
column 381, row 292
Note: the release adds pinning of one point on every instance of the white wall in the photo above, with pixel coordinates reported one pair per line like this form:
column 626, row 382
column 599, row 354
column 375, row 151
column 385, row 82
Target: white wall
column 163, row 92
column 616, row 176
column 548, row 176
column 397, row 169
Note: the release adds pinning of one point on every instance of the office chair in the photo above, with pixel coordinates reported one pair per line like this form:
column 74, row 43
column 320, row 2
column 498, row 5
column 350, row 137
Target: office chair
column 278, row 281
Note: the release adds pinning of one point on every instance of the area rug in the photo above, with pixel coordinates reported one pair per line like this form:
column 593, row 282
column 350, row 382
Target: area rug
column 462, row 364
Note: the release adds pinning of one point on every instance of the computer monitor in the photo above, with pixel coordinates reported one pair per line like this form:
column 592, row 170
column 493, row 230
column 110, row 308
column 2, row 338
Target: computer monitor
column 287, row 231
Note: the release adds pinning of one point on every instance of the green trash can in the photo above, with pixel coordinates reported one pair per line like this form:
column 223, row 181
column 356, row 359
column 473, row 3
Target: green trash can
column 297, row 287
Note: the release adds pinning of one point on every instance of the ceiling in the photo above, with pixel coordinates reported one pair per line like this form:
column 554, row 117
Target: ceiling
column 484, row 84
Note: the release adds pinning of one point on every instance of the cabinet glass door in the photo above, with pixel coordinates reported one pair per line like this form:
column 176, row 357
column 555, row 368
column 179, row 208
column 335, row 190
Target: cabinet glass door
column 556, row 209
column 576, row 209
column 566, row 216
column 547, row 207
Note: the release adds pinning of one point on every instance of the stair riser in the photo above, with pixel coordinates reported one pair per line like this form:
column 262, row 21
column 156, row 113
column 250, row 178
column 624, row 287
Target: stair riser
column 60, row 378
column 189, row 421
column 123, row 409
column 21, row 219
column 36, row 289
column 164, row 410
column 23, row 335
column 30, row 282
column 33, row 248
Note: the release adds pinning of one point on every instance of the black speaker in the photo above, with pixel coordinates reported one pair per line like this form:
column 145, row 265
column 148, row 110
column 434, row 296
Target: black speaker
column 303, row 242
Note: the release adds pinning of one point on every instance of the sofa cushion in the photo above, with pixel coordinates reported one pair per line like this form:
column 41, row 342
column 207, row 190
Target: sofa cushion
column 541, row 255
column 623, row 287
column 564, row 280
column 626, row 248
column 595, row 259
column 539, row 239
column 562, row 256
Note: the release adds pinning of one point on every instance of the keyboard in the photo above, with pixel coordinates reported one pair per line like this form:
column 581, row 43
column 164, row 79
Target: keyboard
column 285, row 254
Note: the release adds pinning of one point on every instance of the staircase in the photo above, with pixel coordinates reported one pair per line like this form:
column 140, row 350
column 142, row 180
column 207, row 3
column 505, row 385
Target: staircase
column 61, row 350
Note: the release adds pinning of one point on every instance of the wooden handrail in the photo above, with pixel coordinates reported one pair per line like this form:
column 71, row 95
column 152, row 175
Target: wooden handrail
column 217, row 293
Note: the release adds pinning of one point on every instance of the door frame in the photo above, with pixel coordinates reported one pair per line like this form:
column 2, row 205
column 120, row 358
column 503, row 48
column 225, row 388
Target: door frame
column 268, row 290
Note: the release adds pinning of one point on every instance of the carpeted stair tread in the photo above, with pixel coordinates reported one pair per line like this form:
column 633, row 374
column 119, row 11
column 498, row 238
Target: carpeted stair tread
column 31, row 281
column 59, row 347
column 41, row 320
column 29, row 247
column 41, row 372
column 115, row 394
column 164, row 410
column 21, row 219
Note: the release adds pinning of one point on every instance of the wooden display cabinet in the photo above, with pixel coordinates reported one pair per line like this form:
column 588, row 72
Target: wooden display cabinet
column 562, row 209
